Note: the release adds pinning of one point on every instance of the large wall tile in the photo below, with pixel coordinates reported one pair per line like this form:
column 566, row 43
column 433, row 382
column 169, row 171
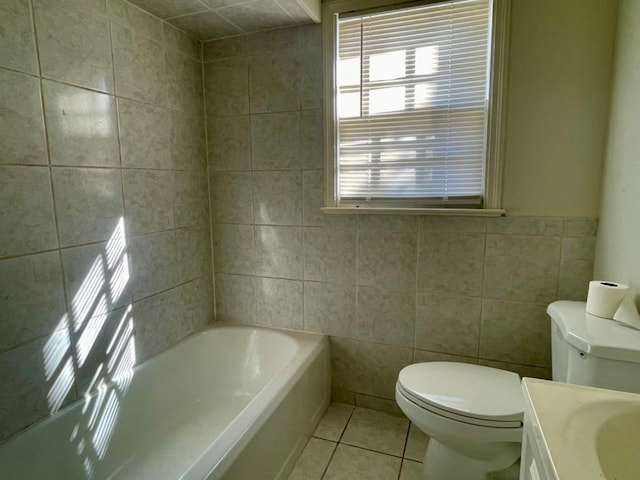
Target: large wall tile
column 521, row 268
column 448, row 324
column 179, row 40
column 330, row 255
column 275, row 141
column 232, row 198
column 94, row 271
column 387, row 259
column 377, row 367
column 143, row 188
column 88, row 204
column 274, row 81
column 139, row 66
column 279, row 252
column 145, row 135
column 344, row 360
column 398, row 223
column 386, row 316
column 81, row 126
column 235, row 298
column 312, row 139
column 32, row 300
column 437, row 223
column 73, row 42
column 279, row 303
column 17, row 43
column 516, row 333
column 226, row 87
column 101, row 330
column 27, row 218
column 420, row 356
column 311, row 76
column 522, row 370
column 273, row 40
column 190, row 205
column 155, row 324
column 277, row 198
column 451, row 263
column 233, row 249
column 23, row 395
column 229, row 142
column 580, row 227
column 576, row 267
column 193, row 247
column 313, row 201
column 197, row 305
column 131, row 16
column 153, row 263
column 184, row 83
column 546, row 226
column 22, row 139
column 188, row 145
column 224, row 48
column 330, row 308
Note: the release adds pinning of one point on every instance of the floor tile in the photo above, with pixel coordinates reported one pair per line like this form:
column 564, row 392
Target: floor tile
column 313, row 461
column 377, row 431
column 416, row 444
column 332, row 424
column 411, row 470
column 351, row 463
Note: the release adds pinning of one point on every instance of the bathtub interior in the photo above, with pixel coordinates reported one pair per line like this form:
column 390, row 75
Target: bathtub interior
column 156, row 420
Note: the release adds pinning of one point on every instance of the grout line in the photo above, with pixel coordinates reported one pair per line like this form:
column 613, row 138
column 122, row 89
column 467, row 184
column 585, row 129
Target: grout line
column 208, row 169
column 74, row 360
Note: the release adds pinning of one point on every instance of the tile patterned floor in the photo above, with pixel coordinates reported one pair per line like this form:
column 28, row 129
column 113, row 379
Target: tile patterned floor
column 353, row 443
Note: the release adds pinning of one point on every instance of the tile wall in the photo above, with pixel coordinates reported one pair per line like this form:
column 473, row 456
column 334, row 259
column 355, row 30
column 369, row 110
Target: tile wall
column 103, row 197
column 390, row 290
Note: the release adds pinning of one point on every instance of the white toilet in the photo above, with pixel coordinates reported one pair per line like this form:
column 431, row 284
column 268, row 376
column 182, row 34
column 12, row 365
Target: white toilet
column 473, row 414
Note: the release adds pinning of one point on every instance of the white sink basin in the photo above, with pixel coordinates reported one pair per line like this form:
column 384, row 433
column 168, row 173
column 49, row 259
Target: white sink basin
column 617, row 444
column 588, row 433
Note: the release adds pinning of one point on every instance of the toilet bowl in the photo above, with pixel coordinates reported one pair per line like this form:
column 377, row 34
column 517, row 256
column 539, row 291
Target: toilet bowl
column 472, row 414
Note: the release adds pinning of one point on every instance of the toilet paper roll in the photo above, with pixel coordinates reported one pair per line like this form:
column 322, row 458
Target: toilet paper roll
column 604, row 298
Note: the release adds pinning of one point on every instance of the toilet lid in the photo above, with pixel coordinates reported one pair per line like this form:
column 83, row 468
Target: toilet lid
column 464, row 389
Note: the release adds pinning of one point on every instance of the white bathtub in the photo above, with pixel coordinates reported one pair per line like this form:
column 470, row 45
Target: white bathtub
column 231, row 402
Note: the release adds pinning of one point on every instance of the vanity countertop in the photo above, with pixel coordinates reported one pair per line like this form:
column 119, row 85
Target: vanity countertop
column 582, row 432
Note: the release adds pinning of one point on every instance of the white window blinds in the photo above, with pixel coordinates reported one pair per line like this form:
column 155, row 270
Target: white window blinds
column 412, row 105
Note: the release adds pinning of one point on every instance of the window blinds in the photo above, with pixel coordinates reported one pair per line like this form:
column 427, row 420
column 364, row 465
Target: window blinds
column 412, row 105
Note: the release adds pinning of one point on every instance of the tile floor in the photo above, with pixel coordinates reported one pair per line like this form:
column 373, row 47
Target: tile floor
column 354, row 443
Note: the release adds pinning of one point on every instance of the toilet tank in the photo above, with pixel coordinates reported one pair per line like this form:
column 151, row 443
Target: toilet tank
column 594, row 351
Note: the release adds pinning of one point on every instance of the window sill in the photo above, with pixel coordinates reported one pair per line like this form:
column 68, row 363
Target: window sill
column 452, row 212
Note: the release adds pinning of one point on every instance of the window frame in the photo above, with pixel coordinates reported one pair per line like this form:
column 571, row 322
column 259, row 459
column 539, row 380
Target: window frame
column 492, row 197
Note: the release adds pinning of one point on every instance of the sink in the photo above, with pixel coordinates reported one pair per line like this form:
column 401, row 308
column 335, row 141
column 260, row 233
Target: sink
column 584, row 433
column 617, row 445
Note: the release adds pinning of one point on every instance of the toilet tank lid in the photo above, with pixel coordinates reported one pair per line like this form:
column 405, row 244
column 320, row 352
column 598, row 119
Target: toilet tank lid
column 594, row 335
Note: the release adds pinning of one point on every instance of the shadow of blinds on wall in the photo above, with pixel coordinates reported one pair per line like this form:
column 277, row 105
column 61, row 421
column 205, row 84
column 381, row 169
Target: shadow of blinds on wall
column 412, row 105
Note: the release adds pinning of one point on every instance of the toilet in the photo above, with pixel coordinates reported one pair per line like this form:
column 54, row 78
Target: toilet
column 473, row 414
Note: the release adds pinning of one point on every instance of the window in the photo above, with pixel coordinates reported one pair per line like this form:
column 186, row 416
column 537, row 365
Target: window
column 413, row 105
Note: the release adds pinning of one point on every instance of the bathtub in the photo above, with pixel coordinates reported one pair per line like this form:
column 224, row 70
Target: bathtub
column 231, row 402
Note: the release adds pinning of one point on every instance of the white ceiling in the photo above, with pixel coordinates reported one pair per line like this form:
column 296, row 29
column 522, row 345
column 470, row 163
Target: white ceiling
column 211, row 19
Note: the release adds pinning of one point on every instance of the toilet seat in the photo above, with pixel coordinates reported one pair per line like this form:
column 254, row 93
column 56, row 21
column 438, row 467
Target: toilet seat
column 471, row 394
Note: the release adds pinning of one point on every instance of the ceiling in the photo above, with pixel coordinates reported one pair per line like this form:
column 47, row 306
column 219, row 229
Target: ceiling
column 211, row 19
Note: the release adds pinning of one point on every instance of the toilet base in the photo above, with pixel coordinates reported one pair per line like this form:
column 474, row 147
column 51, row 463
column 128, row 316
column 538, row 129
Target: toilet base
column 443, row 463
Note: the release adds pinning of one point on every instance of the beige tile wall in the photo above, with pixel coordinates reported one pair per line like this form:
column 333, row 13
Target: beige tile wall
column 101, row 119
column 390, row 290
